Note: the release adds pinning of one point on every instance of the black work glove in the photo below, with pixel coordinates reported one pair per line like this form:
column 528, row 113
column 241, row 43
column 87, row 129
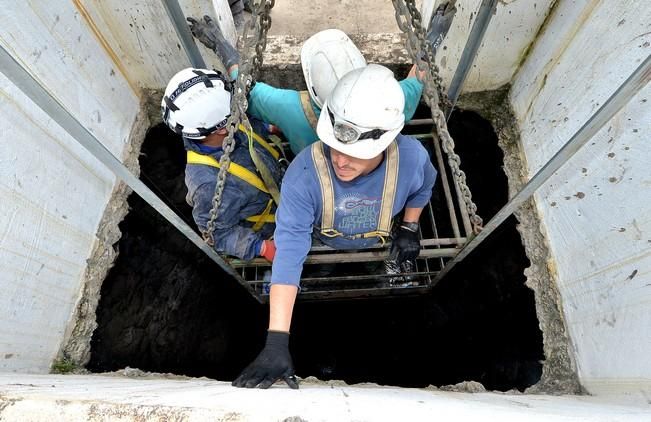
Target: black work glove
column 211, row 36
column 440, row 23
column 272, row 364
column 405, row 245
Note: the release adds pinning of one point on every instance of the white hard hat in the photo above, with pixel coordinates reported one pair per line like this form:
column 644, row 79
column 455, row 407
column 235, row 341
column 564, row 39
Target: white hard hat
column 197, row 102
column 325, row 57
column 364, row 113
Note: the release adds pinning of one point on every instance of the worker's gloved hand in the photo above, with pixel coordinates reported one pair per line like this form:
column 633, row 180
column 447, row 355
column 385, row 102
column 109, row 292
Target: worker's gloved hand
column 405, row 245
column 440, row 23
column 272, row 364
column 211, row 36
column 268, row 250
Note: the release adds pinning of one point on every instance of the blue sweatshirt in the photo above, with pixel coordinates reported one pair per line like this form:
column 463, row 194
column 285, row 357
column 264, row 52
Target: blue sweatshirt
column 357, row 205
column 282, row 107
column 233, row 234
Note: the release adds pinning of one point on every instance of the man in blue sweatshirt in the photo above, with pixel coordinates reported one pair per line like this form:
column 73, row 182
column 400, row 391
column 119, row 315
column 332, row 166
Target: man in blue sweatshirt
column 346, row 189
column 196, row 105
column 325, row 58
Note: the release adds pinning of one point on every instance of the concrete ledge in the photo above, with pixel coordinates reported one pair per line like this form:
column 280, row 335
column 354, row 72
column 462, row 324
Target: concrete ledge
column 100, row 397
column 376, row 48
column 282, row 57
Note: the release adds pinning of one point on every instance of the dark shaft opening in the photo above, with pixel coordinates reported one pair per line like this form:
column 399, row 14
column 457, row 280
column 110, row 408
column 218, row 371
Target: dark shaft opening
column 167, row 308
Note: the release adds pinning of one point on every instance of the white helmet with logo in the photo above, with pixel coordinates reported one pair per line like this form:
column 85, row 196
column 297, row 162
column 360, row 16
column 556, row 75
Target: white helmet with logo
column 364, row 113
column 197, row 102
column 325, row 57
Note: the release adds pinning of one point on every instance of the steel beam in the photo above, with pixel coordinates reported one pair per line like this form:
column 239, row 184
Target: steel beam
column 638, row 79
column 484, row 15
column 175, row 13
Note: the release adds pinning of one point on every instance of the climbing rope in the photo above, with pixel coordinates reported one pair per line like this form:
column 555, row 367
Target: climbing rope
column 410, row 22
column 254, row 42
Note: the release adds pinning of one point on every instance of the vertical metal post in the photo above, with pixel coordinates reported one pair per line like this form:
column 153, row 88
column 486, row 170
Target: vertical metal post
column 175, row 13
column 484, row 15
column 42, row 98
column 638, row 79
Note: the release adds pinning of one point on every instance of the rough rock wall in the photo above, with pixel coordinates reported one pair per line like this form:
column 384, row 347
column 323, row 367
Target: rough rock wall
column 559, row 369
column 76, row 344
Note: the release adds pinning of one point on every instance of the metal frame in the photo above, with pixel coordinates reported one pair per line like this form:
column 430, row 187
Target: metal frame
column 622, row 95
column 359, row 281
column 484, row 15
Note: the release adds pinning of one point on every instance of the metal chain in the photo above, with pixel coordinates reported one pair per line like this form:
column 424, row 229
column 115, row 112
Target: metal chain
column 426, row 47
column 254, row 43
column 409, row 21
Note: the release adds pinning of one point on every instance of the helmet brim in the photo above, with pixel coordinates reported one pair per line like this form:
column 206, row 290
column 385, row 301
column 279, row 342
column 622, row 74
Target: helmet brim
column 364, row 149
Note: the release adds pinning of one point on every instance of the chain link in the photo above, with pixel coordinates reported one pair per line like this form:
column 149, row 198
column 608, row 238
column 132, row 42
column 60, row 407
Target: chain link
column 254, row 42
column 409, row 21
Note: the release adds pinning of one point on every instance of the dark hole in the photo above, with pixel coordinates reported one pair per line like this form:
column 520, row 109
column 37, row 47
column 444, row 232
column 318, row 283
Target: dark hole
column 165, row 307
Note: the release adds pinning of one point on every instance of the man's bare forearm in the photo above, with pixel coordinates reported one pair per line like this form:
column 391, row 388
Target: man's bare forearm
column 412, row 215
column 281, row 306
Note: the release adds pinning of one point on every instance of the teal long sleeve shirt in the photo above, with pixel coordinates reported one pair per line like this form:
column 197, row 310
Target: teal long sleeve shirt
column 282, row 108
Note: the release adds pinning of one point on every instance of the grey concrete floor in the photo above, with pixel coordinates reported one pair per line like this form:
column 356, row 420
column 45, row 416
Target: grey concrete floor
column 306, row 17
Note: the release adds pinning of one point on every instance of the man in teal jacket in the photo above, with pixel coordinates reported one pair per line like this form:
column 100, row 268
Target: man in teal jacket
column 325, row 57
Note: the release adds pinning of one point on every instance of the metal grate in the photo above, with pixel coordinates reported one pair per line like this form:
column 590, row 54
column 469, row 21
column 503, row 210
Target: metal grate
column 331, row 274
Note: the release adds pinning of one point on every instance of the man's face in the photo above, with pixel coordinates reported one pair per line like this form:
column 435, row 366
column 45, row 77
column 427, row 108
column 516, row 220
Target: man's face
column 348, row 168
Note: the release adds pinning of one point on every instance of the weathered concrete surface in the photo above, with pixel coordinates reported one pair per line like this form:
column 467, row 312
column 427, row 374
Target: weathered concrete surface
column 282, row 58
column 595, row 210
column 559, row 369
column 304, row 18
column 82, row 398
column 53, row 192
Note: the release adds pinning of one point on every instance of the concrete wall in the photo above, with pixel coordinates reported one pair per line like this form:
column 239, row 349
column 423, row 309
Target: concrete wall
column 511, row 31
column 596, row 210
column 95, row 58
column 53, row 193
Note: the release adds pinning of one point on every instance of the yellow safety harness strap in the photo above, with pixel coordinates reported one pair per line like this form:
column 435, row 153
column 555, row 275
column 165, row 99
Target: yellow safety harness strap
column 306, row 103
column 269, row 182
column 261, row 219
column 244, row 174
column 327, row 191
column 389, row 189
column 259, row 139
column 383, row 229
column 235, row 169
